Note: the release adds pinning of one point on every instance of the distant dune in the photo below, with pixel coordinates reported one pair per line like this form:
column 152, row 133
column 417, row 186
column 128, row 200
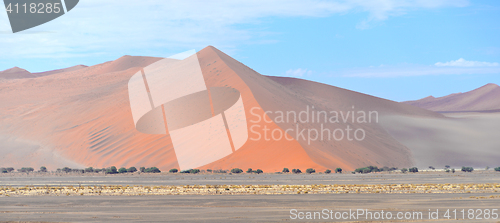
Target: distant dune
column 81, row 116
column 485, row 98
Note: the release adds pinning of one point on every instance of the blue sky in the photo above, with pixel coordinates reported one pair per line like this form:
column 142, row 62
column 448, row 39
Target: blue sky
column 398, row 50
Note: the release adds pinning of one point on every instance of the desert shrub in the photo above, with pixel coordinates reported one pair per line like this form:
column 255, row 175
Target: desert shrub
column 219, row 171
column 122, row 170
column 413, row 170
column 310, row 170
column 338, row 170
column 236, row 170
column 404, row 170
column 447, row 170
column 26, row 169
column 111, row 170
column 258, row 171
column 89, row 170
column 497, row 169
column 9, row 169
column 142, row 169
column 249, row 170
column 173, row 170
column 156, row 170
column 467, row 169
column 132, row 169
column 367, row 169
column 296, row 171
column 3, row 170
column 447, row 166
column 328, row 171
column 285, row 170
column 432, row 168
column 453, row 170
column 209, row 170
column 66, row 169
column 43, row 169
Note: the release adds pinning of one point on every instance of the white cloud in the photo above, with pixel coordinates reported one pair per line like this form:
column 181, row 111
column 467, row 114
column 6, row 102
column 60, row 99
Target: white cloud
column 464, row 63
column 143, row 27
column 298, row 72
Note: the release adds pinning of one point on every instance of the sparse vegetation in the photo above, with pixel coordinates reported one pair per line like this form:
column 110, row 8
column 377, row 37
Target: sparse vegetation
column 497, row 169
column 89, row 170
column 338, row 170
column 142, row 169
column 156, row 170
column 186, row 171
column 368, row 169
column 26, row 170
column 447, row 166
column 173, row 170
column 285, row 170
column 296, row 171
column 258, row 171
column 43, row 169
column 432, row 168
column 310, row 170
column 122, row 170
column 413, row 170
column 467, row 169
column 132, row 169
column 404, row 170
column 249, row 170
column 111, row 170
column 236, row 170
column 328, row 171
column 209, row 170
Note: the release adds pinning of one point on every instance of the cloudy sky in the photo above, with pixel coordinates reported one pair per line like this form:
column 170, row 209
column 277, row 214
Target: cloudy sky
column 395, row 49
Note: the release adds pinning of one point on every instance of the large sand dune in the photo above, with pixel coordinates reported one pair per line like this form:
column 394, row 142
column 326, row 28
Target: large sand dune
column 485, row 98
column 83, row 116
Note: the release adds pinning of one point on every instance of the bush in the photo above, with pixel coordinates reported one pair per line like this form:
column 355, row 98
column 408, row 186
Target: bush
column 26, row 170
column 467, row 169
column 404, row 170
column 111, row 170
column 236, row 170
column 453, row 170
column 447, row 166
column 209, row 170
column 122, row 170
column 249, row 170
column 3, row 170
column 132, row 169
column 154, row 170
column 432, row 168
column 447, row 170
column 142, row 169
column 296, row 171
column 338, row 170
column 43, row 169
column 413, row 170
column 368, row 169
column 310, row 170
column 328, row 171
column 89, row 170
column 497, row 169
column 173, row 170
column 9, row 169
column 285, row 170
column 258, row 171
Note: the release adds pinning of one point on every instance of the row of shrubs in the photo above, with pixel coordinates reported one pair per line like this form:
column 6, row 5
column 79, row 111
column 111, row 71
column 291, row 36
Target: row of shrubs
column 114, row 170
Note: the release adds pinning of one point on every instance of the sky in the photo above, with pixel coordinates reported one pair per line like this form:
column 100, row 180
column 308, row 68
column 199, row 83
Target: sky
column 395, row 49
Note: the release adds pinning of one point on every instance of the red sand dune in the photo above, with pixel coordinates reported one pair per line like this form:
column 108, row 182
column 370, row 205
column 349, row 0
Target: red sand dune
column 485, row 98
column 84, row 115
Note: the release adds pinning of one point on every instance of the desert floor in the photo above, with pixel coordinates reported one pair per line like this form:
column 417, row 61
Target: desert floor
column 409, row 193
